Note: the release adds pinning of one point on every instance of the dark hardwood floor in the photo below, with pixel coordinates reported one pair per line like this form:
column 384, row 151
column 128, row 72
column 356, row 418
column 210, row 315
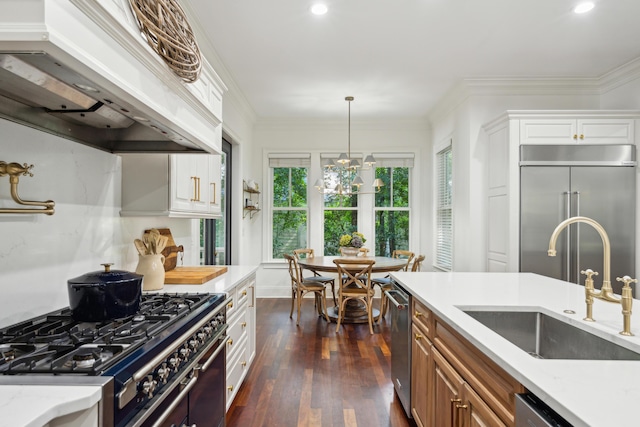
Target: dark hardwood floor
column 312, row 376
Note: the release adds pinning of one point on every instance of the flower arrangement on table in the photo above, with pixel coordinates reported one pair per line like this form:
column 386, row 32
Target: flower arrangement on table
column 354, row 240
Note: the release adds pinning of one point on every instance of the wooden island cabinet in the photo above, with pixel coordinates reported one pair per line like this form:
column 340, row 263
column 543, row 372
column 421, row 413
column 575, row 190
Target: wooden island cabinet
column 453, row 383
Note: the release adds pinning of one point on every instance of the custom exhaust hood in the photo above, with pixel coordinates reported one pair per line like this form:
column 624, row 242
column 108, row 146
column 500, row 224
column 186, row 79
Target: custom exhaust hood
column 80, row 69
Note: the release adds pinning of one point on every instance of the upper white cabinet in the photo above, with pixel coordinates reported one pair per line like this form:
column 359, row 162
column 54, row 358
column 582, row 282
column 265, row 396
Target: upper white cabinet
column 175, row 185
column 570, row 130
column 505, row 135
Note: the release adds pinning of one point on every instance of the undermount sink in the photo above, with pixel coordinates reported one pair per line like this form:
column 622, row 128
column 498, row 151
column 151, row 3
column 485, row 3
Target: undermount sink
column 546, row 337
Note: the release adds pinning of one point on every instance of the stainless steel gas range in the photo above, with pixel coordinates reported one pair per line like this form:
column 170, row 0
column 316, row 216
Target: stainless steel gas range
column 163, row 366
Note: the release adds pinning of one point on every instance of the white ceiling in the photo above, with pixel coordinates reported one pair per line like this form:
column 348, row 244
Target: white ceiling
column 399, row 57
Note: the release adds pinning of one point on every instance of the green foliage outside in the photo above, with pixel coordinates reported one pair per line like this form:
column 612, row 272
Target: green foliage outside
column 392, row 226
column 289, row 225
column 337, row 223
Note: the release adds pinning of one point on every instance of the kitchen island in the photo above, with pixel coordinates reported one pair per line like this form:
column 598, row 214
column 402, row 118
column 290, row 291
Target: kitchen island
column 594, row 393
column 35, row 401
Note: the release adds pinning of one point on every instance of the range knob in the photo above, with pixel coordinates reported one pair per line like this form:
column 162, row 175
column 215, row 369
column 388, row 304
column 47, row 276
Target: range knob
column 201, row 336
column 207, row 330
column 193, row 344
column 184, row 352
column 174, row 361
column 163, row 373
column 149, row 386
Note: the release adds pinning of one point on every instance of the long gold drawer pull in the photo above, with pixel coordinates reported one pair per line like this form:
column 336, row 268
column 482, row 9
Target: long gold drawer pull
column 195, row 188
column 214, row 194
column 454, row 403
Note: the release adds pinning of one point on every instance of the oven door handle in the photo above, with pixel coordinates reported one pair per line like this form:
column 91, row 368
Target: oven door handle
column 183, row 394
column 394, row 301
column 215, row 354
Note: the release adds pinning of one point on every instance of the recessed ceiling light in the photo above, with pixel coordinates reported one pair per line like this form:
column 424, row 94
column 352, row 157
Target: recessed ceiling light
column 319, row 9
column 584, row 7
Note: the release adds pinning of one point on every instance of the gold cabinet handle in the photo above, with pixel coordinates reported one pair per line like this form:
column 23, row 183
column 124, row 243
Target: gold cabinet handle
column 244, row 324
column 418, row 337
column 214, row 194
column 244, row 363
column 418, row 314
column 244, row 292
column 581, row 136
column 230, row 305
column 230, row 342
column 454, row 404
column 575, row 136
column 230, row 388
column 196, row 189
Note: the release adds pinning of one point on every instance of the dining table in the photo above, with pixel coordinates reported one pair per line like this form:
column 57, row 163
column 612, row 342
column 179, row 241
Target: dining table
column 355, row 311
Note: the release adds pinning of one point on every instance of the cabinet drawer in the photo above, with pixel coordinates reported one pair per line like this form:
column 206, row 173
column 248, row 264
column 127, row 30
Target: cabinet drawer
column 236, row 331
column 488, row 380
column 236, row 371
column 422, row 317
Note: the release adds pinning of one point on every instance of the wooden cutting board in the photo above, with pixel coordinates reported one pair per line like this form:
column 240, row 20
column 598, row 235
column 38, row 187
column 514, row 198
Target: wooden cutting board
column 192, row 275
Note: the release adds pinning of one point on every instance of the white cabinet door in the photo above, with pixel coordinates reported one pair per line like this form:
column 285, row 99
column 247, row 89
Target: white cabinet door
column 214, row 184
column 548, row 131
column 183, row 183
column 605, row 131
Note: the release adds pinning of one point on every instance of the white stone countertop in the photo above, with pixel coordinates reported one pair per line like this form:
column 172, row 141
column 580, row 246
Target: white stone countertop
column 593, row 393
column 36, row 405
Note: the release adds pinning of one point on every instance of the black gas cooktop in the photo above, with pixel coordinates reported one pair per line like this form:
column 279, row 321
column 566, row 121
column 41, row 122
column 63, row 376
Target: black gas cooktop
column 57, row 344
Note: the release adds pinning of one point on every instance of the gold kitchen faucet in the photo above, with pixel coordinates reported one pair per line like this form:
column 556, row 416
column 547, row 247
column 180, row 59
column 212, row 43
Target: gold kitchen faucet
column 606, row 292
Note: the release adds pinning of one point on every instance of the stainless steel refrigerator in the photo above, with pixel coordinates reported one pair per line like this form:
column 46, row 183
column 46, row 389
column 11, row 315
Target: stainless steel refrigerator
column 558, row 182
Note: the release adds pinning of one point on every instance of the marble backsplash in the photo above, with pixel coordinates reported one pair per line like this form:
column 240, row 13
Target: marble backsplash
column 39, row 253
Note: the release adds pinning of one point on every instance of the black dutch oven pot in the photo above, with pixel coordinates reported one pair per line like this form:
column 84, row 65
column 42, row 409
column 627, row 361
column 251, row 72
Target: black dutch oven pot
column 104, row 295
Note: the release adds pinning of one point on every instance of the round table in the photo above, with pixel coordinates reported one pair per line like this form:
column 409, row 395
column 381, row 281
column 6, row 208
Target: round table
column 355, row 311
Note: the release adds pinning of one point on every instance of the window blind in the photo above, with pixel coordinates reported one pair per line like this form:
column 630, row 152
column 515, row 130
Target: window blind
column 289, row 160
column 444, row 214
column 394, row 160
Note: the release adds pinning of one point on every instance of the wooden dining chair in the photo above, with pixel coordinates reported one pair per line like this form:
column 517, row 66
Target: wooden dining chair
column 301, row 287
column 385, row 282
column 417, row 263
column 356, row 285
column 308, row 253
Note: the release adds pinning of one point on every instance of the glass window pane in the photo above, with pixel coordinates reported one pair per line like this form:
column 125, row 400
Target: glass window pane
column 332, row 178
column 281, row 187
column 289, row 232
column 401, row 187
column 299, row 187
column 383, row 198
column 392, row 232
column 337, row 223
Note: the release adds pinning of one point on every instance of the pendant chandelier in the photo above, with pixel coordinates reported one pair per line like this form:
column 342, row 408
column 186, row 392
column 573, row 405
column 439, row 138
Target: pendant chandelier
column 348, row 180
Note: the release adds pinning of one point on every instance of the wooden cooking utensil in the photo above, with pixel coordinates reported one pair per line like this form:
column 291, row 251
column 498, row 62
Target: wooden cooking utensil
column 141, row 247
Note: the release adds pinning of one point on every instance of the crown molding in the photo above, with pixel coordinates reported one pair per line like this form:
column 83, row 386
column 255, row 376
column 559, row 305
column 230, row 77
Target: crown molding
column 620, row 76
column 340, row 125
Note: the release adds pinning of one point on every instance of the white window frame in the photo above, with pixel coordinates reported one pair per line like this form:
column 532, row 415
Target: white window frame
column 444, row 247
column 396, row 161
column 284, row 160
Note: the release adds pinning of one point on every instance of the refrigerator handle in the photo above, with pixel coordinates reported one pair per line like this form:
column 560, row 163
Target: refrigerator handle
column 577, row 194
column 567, row 255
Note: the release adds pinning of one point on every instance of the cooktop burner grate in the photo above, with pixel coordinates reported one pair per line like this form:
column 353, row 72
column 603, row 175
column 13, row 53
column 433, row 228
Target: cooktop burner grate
column 56, row 343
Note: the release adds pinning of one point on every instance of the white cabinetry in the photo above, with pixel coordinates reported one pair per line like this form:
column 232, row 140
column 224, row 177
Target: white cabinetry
column 569, row 130
column 176, row 185
column 241, row 332
column 504, row 137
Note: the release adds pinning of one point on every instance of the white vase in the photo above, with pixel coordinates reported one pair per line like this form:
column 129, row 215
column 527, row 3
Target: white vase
column 152, row 269
column 349, row 251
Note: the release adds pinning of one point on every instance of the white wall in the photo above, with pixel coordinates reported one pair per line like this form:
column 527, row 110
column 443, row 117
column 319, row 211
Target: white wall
column 39, row 253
